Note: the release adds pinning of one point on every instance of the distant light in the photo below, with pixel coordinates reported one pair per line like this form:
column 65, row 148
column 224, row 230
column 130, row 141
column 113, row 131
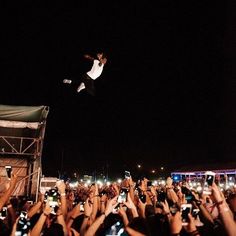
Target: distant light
column 163, row 182
column 176, row 177
column 162, row 168
column 108, row 183
column 73, row 184
column 153, row 171
column 199, row 189
column 119, row 181
column 99, row 182
column 139, row 166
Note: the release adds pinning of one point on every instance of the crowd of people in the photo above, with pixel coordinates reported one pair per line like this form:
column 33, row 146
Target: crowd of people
column 131, row 207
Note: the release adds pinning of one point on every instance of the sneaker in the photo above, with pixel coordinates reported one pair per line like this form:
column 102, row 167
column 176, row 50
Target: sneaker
column 81, row 86
column 67, row 81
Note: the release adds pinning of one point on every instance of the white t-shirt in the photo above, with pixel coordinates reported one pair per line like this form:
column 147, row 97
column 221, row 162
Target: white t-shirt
column 96, row 70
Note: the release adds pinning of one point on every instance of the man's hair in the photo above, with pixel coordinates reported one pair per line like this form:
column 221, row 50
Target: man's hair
column 139, row 224
column 78, row 222
column 54, row 229
column 104, row 55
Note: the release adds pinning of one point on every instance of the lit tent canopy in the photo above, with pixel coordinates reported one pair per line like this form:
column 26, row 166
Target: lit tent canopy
column 22, row 116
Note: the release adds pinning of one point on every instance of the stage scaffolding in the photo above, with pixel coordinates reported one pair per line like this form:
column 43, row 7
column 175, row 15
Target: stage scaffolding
column 22, row 130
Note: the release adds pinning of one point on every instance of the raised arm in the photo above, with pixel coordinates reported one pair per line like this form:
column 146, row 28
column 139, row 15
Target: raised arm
column 87, row 56
column 61, row 221
column 95, row 201
column 5, row 197
column 35, row 208
column 88, row 208
column 111, row 204
column 39, row 225
column 131, row 188
column 224, row 210
column 62, row 190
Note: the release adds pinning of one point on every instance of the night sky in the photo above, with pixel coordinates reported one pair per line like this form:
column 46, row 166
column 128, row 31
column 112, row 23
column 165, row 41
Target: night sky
column 166, row 95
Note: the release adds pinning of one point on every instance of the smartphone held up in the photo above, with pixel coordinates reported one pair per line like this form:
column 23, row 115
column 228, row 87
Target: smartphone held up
column 8, row 171
column 208, row 181
column 3, row 213
column 123, row 195
column 185, row 209
column 23, row 225
column 127, row 174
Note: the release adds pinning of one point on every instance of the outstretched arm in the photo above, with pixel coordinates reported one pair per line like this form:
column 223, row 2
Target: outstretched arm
column 6, row 196
column 224, row 210
column 87, row 56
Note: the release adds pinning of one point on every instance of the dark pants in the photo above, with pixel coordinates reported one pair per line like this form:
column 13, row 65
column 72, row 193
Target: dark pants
column 88, row 82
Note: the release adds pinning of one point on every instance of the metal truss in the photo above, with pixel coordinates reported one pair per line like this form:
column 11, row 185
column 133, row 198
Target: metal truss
column 20, row 146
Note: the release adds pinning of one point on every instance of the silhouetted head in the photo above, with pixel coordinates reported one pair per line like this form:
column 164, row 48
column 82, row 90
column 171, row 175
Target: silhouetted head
column 102, row 57
column 54, row 229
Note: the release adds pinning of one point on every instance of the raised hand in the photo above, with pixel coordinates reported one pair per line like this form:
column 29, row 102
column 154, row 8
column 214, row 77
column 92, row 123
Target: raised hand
column 13, row 180
column 47, row 209
column 111, row 204
column 166, row 208
column 130, row 204
column 217, row 194
column 61, row 186
column 88, row 208
column 175, row 223
column 142, row 207
column 169, row 182
column 191, row 227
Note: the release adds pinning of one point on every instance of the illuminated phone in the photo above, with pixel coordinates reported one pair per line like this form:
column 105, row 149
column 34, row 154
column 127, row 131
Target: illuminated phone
column 127, row 174
column 149, row 184
column 23, row 225
column 142, row 197
column 3, row 213
column 185, row 209
column 30, row 202
column 82, row 206
column 209, row 180
column 116, row 209
column 123, row 196
column 8, row 170
column 161, row 196
column 189, row 197
column 195, row 213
